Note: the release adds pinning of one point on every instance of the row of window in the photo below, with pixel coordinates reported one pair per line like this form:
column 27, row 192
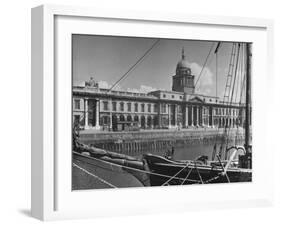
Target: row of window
column 122, row 106
column 172, row 96
column 226, row 111
column 218, row 111
column 136, row 107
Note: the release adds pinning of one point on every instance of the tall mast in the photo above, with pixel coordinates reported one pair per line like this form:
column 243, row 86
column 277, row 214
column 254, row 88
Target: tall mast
column 248, row 96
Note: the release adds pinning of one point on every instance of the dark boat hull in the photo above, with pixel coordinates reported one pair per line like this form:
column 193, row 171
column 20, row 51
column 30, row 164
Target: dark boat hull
column 169, row 172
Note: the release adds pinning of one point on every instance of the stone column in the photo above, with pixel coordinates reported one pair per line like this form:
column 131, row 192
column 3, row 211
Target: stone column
column 97, row 114
column 197, row 116
column 110, row 114
column 86, row 126
column 208, row 117
column 202, row 116
column 212, row 117
column 192, row 113
column 186, row 116
column 176, row 115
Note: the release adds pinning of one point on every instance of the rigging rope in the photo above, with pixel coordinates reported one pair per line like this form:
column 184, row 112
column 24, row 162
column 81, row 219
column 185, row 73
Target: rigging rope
column 227, row 127
column 135, row 64
column 239, row 87
column 147, row 172
column 230, row 71
column 135, row 169
column 203, row 67
column 95, row 176
column 175, row 175
column 216, row 52
column 189, row 172
column 243, row 83
column 199, row 174
column 224, row 171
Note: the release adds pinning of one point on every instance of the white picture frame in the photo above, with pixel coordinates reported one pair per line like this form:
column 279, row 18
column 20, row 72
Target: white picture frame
column 52, row 197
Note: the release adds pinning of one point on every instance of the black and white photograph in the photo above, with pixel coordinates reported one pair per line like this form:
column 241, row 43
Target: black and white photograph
column 160, row 112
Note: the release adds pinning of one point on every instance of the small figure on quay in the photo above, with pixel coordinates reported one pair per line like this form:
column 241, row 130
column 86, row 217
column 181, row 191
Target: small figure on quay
column 170, row 153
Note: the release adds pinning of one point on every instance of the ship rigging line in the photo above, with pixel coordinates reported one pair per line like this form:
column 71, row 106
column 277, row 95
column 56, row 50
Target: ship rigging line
column 203, row 67
column 227, row 130
column 243, row 82
column 137, row 170
column 135, row 64
column 95, row 176
column 233, row 51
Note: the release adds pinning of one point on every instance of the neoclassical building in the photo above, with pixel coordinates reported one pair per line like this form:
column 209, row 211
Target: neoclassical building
column 104, row 109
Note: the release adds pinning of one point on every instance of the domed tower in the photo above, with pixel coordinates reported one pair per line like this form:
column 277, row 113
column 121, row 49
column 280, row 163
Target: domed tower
column 183, row 81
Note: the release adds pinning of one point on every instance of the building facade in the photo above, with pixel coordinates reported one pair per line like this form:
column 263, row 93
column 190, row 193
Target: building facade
column 104, row 109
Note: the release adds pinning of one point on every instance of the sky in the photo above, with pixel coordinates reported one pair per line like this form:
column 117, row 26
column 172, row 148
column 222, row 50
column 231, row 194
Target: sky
column 107, row 58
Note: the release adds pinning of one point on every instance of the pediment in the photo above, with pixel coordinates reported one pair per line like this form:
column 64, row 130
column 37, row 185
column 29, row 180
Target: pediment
column 196, row 99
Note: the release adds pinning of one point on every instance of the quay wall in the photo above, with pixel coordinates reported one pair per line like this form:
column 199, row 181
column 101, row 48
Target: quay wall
column 143, row 141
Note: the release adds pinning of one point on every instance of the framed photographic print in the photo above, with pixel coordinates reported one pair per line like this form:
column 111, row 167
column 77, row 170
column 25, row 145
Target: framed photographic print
column 144, row 113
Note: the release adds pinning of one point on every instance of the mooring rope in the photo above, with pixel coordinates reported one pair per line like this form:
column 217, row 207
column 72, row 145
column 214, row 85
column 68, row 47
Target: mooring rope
column 167, row 182
column 95, row 176
column 137, row 170
column 198, row 173
column 154, row 174
column 224, row 170
column 189, row 172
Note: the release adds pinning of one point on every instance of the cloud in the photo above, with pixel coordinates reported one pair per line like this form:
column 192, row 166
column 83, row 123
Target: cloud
column 141, row 89
column 79, row 83
column 206, row 80
column 106, row 85
column 146, row 89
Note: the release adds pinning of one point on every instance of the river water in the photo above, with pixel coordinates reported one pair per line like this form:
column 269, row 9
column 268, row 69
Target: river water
column 190, row 152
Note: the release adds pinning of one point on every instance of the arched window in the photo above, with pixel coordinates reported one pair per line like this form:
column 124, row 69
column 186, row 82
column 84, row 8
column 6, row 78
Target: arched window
column 122, row 118
column 129, row 118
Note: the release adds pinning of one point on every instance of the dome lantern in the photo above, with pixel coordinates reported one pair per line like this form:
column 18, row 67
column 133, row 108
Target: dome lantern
column 183, row 66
